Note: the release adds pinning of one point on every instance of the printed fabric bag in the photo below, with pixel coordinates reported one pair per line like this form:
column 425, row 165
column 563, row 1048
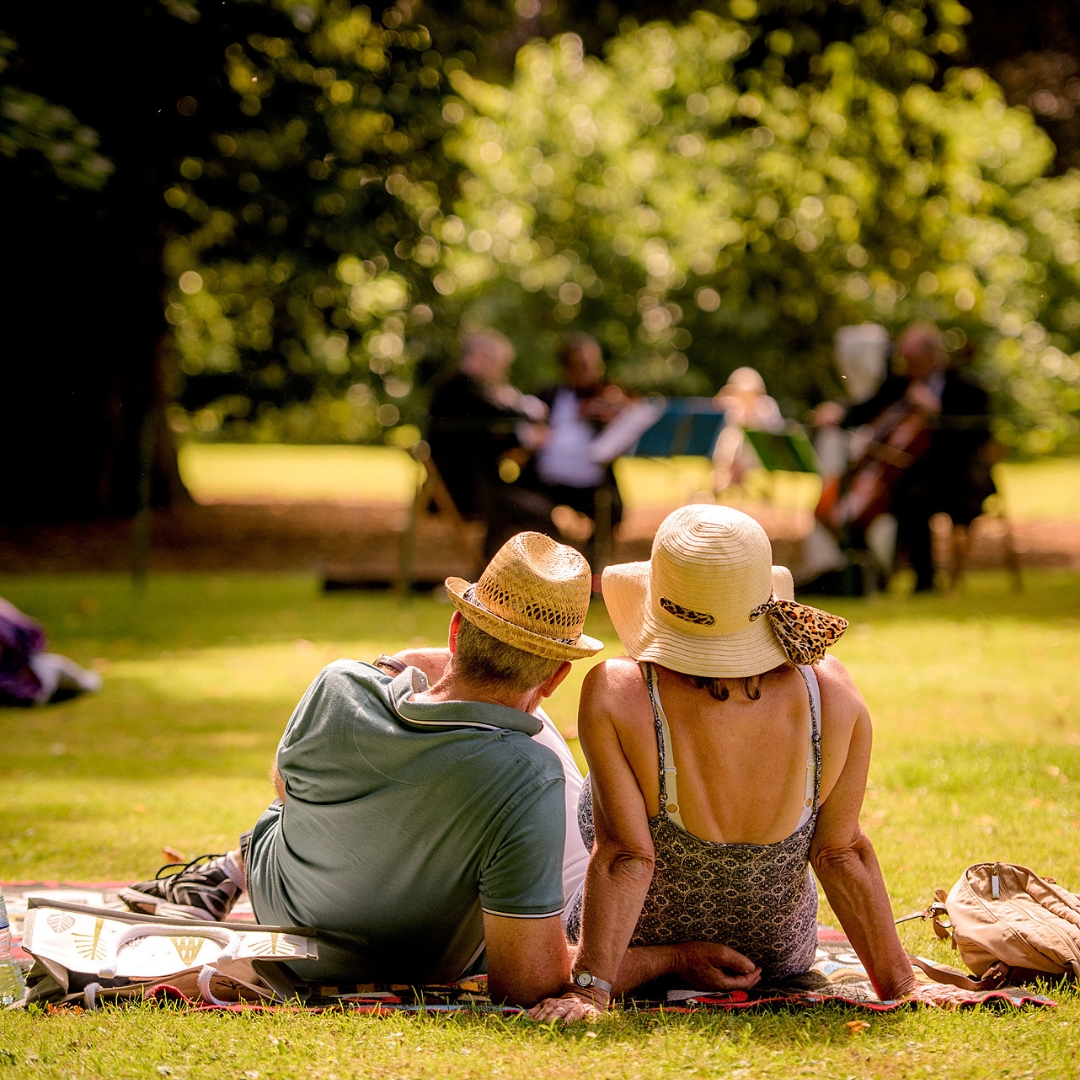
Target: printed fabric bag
column 1008, row 924
column 98, row 953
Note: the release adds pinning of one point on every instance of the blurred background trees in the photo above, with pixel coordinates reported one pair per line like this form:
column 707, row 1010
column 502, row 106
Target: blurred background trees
column 268, row 220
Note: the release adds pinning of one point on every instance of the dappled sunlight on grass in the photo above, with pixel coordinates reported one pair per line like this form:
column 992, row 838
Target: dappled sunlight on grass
column 236, row 472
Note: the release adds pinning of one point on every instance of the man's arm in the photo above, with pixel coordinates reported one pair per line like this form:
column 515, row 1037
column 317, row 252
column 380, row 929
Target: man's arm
column 432, row 662
column 527, row 958
column 277, row 781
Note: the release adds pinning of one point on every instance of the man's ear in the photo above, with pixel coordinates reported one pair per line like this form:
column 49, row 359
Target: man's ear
column 455, row 627
column 551, row 683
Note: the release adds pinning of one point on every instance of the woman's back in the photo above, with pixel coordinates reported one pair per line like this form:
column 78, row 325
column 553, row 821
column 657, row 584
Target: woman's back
column 731, row 790
column 742, row 763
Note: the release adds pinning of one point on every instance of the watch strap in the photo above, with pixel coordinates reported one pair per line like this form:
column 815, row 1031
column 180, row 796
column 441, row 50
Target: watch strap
column 391, row 662
column 584, row 979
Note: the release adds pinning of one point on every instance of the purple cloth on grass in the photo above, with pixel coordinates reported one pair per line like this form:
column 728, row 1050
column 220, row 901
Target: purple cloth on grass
column 20, row 638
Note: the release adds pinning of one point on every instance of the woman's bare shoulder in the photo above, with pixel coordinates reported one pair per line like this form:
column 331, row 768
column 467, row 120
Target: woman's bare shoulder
column 839, row 694
column 614, row 688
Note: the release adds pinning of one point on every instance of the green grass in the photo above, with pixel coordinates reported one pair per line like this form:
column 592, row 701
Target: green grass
column 977, row 756
column 221, row 472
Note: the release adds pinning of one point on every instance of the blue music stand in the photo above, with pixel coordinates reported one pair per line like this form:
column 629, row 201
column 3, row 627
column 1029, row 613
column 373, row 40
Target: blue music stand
column 689, row 427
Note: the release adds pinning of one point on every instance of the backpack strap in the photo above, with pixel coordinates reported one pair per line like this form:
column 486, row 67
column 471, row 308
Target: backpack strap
column 995, row 976
column 934, row 913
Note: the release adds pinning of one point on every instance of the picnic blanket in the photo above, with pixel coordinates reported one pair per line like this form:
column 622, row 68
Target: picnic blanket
column 836, row 977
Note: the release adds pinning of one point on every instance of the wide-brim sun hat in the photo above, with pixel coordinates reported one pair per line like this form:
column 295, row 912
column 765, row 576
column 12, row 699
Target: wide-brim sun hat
column 534, row 595
column 709, row 601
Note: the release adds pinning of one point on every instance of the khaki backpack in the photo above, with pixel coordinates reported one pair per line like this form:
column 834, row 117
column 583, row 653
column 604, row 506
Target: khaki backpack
column 1009, row 926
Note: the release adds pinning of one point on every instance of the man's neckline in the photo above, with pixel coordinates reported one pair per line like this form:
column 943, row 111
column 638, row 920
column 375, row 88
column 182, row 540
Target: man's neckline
column 482, row 715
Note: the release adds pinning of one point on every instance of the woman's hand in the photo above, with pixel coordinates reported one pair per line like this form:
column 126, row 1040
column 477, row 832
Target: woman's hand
column 703, row 965
column 573, row 1005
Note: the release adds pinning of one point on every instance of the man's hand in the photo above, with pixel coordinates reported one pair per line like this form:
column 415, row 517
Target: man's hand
column 574, row 1005
column 702, row 965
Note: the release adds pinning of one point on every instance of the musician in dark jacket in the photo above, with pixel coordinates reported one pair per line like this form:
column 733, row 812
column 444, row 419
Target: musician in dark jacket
column 477, row 419
column 953, row 474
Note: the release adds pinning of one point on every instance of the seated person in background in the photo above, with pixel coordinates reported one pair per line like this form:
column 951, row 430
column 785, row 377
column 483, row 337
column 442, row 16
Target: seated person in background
column 477, row 419
column 745, row 405
column 419, row 828
column 579, row 408
column 727, row 756
column 28, row 674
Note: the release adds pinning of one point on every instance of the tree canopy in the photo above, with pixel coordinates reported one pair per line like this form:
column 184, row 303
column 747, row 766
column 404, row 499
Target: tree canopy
column 727, row 189
column 283, row 212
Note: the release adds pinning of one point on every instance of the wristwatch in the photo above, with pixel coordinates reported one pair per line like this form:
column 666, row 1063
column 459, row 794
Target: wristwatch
column 585, row 979
column 391, row 662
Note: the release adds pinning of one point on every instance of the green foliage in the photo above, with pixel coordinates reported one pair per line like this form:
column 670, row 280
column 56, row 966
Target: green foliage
column 700, row 212
column 30, row 123
column 725, row 189
column 294, row 282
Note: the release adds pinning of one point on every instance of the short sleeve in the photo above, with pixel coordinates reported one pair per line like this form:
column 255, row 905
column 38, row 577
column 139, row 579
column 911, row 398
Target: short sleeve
column 522, row 877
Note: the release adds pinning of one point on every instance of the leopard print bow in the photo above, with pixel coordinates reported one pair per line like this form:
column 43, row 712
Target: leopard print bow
column 804, row 632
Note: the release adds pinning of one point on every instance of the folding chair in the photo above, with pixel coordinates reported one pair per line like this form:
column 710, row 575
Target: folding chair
column 432, row 490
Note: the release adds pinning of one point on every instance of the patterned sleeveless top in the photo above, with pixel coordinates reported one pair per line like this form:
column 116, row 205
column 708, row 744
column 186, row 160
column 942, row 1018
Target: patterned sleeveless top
column 758, row 899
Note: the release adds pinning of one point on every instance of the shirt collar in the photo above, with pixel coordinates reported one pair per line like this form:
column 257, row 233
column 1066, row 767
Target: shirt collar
column 482, row 715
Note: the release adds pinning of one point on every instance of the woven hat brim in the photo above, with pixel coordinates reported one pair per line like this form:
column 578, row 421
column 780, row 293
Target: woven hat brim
column 511, row 634
column 748, row 652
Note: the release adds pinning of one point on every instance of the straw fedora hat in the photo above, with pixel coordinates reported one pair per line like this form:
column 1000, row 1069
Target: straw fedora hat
column 690, row 606
column 534, row 595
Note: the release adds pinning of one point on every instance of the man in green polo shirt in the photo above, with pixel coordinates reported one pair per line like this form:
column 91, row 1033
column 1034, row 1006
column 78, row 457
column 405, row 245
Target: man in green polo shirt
column 419, row 827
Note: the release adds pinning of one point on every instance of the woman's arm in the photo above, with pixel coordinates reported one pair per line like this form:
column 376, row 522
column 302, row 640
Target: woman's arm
column 846, row 865
column 621, row 865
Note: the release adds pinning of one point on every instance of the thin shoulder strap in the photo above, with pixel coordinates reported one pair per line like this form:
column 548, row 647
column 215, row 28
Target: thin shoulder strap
column 813, row 757
column 669, row 786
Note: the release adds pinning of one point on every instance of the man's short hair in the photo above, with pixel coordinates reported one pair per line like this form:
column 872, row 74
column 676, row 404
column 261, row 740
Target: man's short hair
column 485, row 661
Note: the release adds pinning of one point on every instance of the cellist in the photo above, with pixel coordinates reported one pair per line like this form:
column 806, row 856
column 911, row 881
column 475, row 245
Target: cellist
column 926, row 424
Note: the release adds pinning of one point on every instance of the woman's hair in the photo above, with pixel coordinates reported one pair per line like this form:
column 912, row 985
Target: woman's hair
column 721, row 688
column 486, row 661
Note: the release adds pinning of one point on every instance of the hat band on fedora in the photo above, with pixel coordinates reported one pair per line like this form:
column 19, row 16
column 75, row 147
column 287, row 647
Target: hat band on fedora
column 470, row 597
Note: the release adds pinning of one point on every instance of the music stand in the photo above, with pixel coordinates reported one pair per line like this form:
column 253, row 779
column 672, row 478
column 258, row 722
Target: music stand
column 688, row 427
column 788, row 451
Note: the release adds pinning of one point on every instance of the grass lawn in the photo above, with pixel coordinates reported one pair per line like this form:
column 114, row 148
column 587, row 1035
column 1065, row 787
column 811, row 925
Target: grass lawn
column 977, row 757
column 224, row 472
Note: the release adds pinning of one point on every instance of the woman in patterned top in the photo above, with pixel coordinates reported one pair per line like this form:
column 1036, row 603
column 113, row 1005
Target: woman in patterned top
column 728, row 754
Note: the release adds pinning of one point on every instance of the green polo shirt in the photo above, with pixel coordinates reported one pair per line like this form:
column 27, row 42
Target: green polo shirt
column 402, row 823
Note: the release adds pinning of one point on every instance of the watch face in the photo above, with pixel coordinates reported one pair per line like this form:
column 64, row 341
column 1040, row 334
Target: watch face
column 583, row 978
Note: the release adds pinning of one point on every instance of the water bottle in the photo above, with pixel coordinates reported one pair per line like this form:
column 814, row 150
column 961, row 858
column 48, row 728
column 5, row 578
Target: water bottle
column 11, row 979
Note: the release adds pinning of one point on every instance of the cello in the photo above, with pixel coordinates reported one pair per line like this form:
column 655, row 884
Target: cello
column 898, row 437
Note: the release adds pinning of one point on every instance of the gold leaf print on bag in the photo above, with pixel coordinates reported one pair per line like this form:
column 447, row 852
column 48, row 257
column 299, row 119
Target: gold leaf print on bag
column 188, row 948
column 91, row 946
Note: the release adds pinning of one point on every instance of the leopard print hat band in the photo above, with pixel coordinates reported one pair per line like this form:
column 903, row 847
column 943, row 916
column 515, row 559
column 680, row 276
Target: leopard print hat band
column 804, row 632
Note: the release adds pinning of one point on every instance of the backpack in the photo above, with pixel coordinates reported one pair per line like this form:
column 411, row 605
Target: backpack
column 1008, row 924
